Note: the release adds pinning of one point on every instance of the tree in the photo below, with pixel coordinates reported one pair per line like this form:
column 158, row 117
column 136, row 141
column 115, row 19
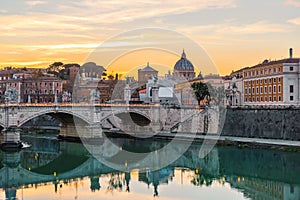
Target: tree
column 200, row 91
column 55, row 67
column 217, row 94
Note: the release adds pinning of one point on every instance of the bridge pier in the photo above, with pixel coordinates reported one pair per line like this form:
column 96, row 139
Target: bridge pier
column 83, row 131
column 11, row 163
column 11, row 138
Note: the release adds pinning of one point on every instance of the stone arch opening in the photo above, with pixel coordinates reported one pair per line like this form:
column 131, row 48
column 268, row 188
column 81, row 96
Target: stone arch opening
column 130, row 118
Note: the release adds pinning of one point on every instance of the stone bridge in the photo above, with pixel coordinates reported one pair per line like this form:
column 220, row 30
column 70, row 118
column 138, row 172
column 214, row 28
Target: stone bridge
column 89, row 120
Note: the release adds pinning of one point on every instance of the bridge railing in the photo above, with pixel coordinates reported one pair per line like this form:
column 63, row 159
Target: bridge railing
column 102, row 105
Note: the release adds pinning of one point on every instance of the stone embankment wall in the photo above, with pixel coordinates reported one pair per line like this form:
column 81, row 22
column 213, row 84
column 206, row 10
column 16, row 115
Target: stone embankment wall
column 263, row 122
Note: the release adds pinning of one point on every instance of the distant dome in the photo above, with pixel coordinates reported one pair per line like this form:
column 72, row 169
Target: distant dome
column 183, row 64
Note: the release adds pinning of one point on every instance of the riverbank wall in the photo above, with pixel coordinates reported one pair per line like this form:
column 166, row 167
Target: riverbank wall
column 263, row 122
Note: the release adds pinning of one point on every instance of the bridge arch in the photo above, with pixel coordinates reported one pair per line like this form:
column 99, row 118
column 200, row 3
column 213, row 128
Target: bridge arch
column 118, row 112
column 54, row 114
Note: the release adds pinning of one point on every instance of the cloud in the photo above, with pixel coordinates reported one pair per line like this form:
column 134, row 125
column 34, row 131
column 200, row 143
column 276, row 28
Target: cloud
column 34, row 3
column 295, row 21
column 3, row 11
column 293, row 3
column 119, row 11
column 260, row 27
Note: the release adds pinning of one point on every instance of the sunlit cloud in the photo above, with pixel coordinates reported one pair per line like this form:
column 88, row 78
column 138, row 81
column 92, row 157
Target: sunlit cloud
column 125, row 11
column 295, row 21
column 260, row 27
column 34, row 3
column 293, row 3
column 3, row 11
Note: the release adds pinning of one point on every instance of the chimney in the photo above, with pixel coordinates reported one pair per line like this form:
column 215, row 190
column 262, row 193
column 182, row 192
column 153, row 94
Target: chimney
column 291, row 52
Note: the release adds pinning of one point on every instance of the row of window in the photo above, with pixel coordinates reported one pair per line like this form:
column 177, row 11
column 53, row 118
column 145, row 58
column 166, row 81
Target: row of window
column 263, row 99
column 261, row 90
column 266, row 99
column 36, row 84
column 265, row 81
column 40, row 92
column 4, row 78
column 263, row 72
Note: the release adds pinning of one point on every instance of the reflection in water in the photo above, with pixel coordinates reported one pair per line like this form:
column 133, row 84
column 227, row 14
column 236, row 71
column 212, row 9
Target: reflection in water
column 49, row 167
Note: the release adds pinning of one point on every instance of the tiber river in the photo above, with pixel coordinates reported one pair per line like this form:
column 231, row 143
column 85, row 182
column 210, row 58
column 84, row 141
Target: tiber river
column 52, row 169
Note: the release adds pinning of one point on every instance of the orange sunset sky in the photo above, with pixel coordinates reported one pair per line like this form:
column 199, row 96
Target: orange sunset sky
column 233, row 33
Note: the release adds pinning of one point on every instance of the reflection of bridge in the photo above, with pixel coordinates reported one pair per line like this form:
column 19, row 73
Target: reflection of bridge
column 87, row 119
column 72, row 161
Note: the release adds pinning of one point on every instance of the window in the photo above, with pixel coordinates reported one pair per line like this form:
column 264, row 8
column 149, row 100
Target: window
column 249, row 90
column 279, row 80
column 253, row 91
column 266, row 99
column 260, row 81
column 261, row 99
column 246, row 100
column 257, row 90
column 270, row 80
column 274, row 98
column 270, row 98
column 279, row 69
column 265, row 81
column 45, row 91
column 45, row 84
column 291, row 68
column 270, row 89
column 274, row 70
column 279, row 98
column 253, row 99
column 261, row 90
column 257, row 99
column 279, row 88
column 245, row 90
column 257, row 82
column 274, row 88
column 291, row 98
column 274, row 80
column 266, row 91
column 291, row 88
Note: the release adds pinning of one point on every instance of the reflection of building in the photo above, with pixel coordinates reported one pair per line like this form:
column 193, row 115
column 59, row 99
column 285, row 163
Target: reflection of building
column 162, row 176
column 255, row 188
column 146, row 73
column 184, row 69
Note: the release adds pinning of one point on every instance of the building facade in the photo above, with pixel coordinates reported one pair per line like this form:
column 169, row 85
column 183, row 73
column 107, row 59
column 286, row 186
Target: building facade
column 146, row 73
column 268, row 83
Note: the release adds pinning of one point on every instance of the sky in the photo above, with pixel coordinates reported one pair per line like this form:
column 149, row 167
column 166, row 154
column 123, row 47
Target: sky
column 232, row 33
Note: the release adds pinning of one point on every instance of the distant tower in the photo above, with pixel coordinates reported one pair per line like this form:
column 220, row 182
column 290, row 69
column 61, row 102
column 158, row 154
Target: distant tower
column 127, row 91
column 291, row 53
column 184, row 69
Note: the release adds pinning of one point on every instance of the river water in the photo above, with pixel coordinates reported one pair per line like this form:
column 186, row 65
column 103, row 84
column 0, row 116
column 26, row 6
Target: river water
column 52, row 169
